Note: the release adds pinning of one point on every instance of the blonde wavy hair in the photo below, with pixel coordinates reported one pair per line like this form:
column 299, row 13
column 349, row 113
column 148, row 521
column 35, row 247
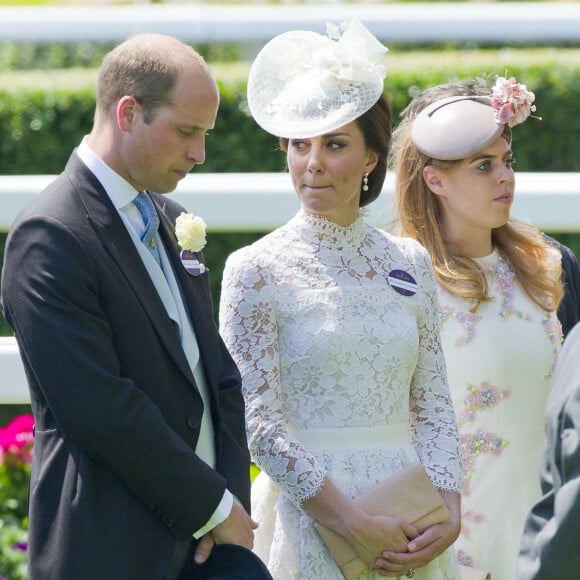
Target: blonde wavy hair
column 535, row 261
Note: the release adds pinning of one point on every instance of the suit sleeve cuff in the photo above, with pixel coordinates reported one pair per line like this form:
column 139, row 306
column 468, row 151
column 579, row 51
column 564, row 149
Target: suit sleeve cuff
column 221, row 514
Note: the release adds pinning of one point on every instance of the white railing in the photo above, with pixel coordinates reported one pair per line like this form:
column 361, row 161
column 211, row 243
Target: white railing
column 13, row 387
column 263, row 201
column 496, row 22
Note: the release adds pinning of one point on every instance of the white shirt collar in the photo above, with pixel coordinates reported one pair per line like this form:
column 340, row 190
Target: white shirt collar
column 119, row 190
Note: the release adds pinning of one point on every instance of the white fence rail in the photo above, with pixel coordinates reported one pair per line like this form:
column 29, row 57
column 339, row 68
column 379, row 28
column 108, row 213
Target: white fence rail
column 497, row 22
column 13, row 387
column 263, row 201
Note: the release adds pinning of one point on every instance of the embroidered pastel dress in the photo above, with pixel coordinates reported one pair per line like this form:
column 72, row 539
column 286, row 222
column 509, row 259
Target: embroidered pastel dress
column 343, row 377
column 499, row 361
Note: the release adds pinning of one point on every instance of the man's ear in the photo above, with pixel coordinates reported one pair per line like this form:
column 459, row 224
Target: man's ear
column 126, row 111
column 433, row 180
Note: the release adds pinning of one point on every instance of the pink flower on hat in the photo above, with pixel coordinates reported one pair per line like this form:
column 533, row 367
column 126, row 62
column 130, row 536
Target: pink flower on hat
column 511, row 101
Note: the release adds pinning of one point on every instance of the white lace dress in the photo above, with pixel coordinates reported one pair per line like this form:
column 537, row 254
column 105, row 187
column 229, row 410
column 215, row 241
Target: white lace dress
column 343, row 377
column 499, row 362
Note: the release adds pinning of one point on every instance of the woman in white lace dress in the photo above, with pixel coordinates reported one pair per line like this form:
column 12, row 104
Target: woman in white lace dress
column 333, row 324
column 499, row 288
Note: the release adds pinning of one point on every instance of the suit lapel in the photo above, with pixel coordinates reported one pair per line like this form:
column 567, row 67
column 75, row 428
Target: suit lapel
column 114, row 236
column 196, row 295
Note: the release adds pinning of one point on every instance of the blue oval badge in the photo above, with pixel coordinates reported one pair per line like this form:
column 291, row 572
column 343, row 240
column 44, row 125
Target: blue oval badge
column 402, row 282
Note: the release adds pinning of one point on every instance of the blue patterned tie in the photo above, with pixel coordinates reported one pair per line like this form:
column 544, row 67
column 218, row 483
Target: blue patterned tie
column 151, row 220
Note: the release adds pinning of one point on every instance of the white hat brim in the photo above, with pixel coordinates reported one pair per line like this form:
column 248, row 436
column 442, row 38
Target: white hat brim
column 303, row 84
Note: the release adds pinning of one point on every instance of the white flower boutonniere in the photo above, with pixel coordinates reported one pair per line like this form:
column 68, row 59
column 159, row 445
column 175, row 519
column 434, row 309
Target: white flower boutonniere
column 190, row 232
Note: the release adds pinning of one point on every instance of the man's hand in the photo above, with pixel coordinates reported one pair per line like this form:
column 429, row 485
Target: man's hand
column 238, row 528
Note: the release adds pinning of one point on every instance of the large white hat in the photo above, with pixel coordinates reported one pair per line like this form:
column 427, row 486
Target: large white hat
column 303, row 84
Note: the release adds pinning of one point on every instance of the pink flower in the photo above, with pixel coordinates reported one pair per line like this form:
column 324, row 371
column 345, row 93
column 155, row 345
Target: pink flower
column 511, row 101
column 16, row 439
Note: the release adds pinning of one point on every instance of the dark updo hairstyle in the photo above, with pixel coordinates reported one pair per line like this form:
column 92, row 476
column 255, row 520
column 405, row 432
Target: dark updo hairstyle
column 376, row 128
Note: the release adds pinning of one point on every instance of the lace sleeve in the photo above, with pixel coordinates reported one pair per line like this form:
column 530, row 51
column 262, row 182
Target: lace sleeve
column 433, row 423
column 249, row 329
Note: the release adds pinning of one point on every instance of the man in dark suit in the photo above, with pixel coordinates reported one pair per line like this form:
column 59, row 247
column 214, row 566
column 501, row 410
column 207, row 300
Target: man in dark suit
column 550, row 543
column 140, row 459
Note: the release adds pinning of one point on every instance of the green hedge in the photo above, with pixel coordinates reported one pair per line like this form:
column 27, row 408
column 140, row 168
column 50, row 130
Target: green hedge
column 44, row 114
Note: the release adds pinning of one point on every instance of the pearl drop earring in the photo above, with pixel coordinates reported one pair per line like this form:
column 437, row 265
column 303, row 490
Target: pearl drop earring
column 365, row 186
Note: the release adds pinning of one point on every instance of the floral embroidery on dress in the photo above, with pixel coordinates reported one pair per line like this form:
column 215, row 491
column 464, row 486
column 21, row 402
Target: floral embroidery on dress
column 470, row 517
column 553, row 329
column 467, row 320
column 479, row 399
column 473, row 446
column 464, row 559
column 503, row 275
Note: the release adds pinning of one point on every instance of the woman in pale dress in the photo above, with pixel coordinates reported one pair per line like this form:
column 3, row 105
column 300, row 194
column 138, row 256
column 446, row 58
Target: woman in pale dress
column 343, row 372
column 499, row 283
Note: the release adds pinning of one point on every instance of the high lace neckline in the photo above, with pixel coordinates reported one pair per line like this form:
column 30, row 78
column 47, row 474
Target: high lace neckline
column 322, row 232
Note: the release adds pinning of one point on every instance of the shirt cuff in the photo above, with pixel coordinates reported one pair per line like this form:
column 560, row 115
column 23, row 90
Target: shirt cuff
column 221, row 514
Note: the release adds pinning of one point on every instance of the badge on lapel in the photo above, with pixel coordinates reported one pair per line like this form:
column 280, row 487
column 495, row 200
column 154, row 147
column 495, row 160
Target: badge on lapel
column 191, row 263
column 190, row 232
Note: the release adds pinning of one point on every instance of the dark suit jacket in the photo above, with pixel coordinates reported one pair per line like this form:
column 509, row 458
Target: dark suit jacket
column 115, row 479
column 569, row 309
column 550, row 548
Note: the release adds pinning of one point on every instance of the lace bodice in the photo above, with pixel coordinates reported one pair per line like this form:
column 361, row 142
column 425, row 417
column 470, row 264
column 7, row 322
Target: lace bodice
column 322, row 339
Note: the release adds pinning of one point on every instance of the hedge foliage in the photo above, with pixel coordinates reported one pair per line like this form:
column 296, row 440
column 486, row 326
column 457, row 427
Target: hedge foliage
column 44, row 114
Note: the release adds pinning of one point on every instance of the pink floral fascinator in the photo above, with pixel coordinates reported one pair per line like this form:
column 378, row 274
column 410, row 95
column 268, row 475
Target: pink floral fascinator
column 456, row 127
column 511, row 101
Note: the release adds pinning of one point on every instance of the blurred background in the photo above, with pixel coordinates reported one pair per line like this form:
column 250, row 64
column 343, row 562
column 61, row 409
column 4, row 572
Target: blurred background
column 50, row 53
